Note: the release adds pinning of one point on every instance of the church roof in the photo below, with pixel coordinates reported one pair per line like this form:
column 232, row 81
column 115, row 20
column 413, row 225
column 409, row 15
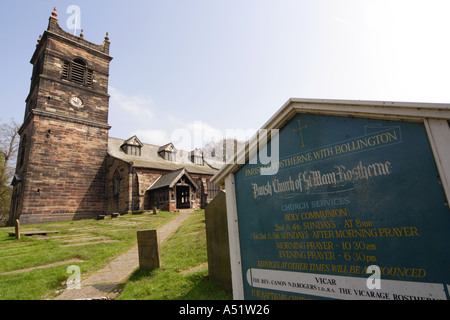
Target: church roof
column 150, row 158
column 171, row 178
column 167, row 147
column 133, row 141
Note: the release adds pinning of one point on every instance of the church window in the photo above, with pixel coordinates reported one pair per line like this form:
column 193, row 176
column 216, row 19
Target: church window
column 77, row 71
column 132, row 150
column 212, row 189
column 117, row 186
column 116, row 183
column 168, row 152
column 198, row 160
column 170, row 156
column 197, row 157
column 132, row 146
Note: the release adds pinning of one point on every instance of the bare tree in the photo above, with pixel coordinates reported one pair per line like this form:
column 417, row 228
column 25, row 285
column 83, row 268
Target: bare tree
column 223, row 150
column 9, row 142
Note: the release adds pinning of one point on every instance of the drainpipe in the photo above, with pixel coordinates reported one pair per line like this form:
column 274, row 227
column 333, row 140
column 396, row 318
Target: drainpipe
column 130, row 188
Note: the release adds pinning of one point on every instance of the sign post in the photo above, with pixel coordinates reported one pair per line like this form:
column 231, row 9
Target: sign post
column 356, row 207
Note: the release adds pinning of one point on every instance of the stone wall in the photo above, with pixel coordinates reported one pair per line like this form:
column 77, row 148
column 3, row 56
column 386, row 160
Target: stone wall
column 146, row 177
column 65, row 169
column 119, row 203
column 55, row 92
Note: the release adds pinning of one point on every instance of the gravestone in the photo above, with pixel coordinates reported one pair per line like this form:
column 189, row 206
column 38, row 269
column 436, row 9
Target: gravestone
column 17, row 229
column 217, row 241
column 149, row 249
column 352, row 208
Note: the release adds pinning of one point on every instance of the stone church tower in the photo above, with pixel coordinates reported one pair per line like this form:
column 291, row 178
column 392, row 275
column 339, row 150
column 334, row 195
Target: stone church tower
column 61, row 166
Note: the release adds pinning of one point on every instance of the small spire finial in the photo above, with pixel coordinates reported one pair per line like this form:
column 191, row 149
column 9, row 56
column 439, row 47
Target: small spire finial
column 81, row 34
column 54, row 14
column 107, row 37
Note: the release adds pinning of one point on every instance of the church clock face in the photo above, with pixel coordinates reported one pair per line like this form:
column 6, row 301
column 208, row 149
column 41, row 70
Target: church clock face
column 76, row 102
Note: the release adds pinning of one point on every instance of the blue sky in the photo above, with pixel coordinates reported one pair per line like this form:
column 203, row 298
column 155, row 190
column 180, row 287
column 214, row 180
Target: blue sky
column 231, row 64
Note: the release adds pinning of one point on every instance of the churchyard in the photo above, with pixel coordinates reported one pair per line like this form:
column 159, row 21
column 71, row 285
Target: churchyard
column 35, row 267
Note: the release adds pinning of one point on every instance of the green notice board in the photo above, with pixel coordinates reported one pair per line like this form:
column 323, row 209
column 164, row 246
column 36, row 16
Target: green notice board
column 348, row 193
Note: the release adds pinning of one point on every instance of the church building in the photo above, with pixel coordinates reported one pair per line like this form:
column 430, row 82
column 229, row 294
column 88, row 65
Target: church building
column 69, row 168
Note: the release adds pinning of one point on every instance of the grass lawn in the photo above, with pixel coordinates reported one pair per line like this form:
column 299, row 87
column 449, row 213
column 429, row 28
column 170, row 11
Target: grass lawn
column 95, row 242
column 184, row 269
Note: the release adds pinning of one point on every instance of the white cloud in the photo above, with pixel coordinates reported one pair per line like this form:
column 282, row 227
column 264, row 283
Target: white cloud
column 185, row 136
column 342, row 20
column 135, row 105
column 204, row 133
column 174, row 121
column 198, row 134
column 156, row 137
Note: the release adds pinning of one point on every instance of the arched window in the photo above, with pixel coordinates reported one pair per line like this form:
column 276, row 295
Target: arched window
column 77, row 71
column 116, row 183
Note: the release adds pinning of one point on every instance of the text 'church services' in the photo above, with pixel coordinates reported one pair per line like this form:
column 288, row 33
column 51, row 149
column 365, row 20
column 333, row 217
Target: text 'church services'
column 69, row 168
